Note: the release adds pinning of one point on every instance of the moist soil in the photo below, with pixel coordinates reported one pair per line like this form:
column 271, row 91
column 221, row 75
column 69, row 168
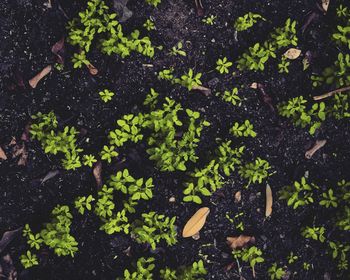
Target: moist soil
column 29, row 29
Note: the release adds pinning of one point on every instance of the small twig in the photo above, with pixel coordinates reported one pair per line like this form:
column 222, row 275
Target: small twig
column 331, row 93
column 318, row 145
column 33, row 82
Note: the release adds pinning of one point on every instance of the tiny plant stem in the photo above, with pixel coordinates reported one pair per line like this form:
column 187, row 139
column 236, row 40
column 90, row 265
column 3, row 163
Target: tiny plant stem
column 318, row 145
column 254, row 275
column 33, row 82
column 331, row 93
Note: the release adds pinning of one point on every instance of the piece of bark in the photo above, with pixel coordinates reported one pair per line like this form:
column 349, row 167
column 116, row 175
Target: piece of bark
column 2, row 154
column 97, row 170
column 331, row 93
column 58, row 50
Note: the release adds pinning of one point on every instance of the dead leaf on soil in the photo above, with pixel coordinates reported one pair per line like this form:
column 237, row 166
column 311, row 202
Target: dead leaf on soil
column 21, row 152
column 58, row 50
column 240, row 241
column 50, row 175
column 97, row 173
column 238, row 196
column 325, row 5
column 2, row 154
column 318, row 145
column 26, row 135
column 7, row 269
column 196, row 223
column 33, row 82
column 7, row 238
column 269, row 201
column 92, row 69
column 292, row 53
column 206, row 91
column 254, row 85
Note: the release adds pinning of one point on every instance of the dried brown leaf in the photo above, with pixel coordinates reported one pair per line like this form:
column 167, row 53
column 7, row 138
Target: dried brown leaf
column 21, row 152
column 26, row 135
column 97, row 173
column 58, row 50
column 7, row 238
column 2, row 154
column 206, row 91
column 33, row 82
column 292, row 53
column 196, row 223
column 92, row 69
column 238, row 196
column 269, row 201
column 318, row 145
column 240, row 241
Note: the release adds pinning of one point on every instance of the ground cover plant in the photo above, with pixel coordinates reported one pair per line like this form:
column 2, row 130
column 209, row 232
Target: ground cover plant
column 160, row 139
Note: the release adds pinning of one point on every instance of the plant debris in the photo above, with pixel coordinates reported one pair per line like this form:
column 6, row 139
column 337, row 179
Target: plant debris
column 196, row 223
column 318, row 145
column 269, row 201
column 33, row 82
column 239, row 241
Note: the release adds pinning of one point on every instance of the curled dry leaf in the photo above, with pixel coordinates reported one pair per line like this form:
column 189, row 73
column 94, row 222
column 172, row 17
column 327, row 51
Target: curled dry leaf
column 97, row 173
column 2, row 154
column 238, row 196
column 206, row 91
column 58, row 50
column 240, row 241
column 292, row 53
column 269, row 201
column 318, row 145
column 196, row 222
column 92, row 69
column 21, row 152
column 7, row 238
column 33, row 82
column 325, row 5
column 26, row 135
column 254, row 85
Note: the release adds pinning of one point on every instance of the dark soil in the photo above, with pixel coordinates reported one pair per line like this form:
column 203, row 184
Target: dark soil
column 29, row 29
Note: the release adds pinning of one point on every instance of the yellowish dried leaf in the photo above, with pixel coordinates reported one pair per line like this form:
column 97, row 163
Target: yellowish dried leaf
column 254, row 85
column 292, row 53
column 239, row 242
column 97, row 170
column 269, row 201
column 196, row 223
column 325, row 5
column 238, row 197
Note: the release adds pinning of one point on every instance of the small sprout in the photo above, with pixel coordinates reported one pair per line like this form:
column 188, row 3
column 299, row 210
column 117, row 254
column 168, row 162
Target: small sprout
column 108, row 153
column 154, row 3
column 149, row 24
column 106, row 95
column 89, row 160
column 209, row 20
column 28, row 260
column 177, row 50
column 316, row 233
column 329, row 200
column 223, row 65
column 247, row 21
column 83, row 202
column 276, row 272
column 283, row 65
